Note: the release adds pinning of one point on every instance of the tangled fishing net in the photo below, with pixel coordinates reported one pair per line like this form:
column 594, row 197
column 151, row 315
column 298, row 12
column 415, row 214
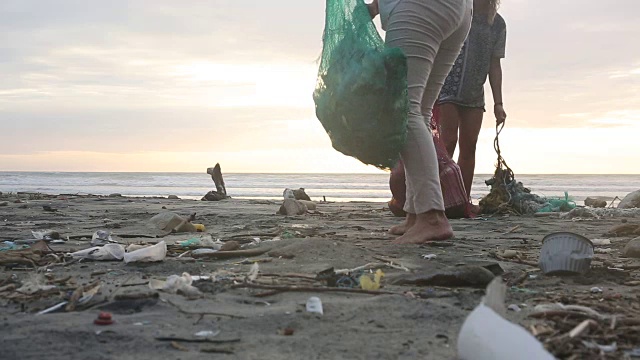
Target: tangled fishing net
column 508, row 196
column 361, row 90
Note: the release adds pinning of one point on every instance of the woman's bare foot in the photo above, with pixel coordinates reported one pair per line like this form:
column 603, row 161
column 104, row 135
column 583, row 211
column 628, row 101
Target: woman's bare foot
column 406, row 225
column 429, row 226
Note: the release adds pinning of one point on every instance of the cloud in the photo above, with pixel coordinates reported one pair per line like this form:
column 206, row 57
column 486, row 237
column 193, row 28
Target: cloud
column 172, row 129
column 83, row 78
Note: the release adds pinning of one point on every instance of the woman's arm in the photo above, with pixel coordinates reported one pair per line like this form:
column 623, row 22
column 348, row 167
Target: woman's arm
column 495, row 80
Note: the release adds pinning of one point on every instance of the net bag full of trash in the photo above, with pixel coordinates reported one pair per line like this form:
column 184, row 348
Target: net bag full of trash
column 361, row 90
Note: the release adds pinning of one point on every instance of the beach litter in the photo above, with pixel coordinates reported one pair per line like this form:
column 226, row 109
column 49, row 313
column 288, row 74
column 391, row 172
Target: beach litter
column 565, row 252
column 173, row 223
column 101, row 253
column 600, row 242
column 634, row 353
column 101, row 237
column 507, row 195
column 104, row 318
column 314, row 305
column 10, row 245
column 367, row 284
column 207, row 333
column 38, row 254
column 505, row 340
column 514, row 308
column 152, row 253
column 35, row 284
column 46, row 235
column 177, row 284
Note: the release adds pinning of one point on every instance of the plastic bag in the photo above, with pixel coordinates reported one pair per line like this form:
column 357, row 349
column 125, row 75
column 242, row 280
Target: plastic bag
column 152, row 253
column 456, row 202
column 557, row 204
column 361, row 91
column 104, row 253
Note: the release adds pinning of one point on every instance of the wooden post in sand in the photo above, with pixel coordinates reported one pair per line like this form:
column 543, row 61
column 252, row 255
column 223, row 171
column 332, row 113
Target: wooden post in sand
column 221, row 190
column 216, row 176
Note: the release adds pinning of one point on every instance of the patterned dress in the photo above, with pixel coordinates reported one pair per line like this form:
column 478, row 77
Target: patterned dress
column 464, row 85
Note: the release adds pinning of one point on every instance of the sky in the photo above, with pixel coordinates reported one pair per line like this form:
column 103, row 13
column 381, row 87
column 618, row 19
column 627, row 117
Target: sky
column 162, row 85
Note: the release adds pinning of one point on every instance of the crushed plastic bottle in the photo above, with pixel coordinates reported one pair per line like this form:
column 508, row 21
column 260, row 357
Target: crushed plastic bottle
column 153, row 253
column 103, row 253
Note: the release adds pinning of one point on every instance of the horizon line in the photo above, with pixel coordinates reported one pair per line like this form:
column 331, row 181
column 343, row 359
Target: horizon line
column 276, row 173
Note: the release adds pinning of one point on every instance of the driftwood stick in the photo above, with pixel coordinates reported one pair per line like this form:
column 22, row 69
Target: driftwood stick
column 216, row 176
column 294, row 276
column 203, row 340
column 202, row 313
column 231, row 254
column 313, row 289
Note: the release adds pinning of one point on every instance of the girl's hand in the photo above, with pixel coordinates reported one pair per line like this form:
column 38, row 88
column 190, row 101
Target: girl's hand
column 373, row 8
column 501, row 115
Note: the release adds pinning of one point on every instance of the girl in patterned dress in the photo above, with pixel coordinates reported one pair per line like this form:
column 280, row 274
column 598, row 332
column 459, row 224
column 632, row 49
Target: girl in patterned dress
column 461, row 101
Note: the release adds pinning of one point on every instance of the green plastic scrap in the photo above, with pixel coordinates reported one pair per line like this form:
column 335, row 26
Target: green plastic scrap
column 9, row 246
column 557, row 204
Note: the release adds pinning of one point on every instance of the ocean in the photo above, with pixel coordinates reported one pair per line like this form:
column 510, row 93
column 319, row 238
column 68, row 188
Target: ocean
column 334, row 187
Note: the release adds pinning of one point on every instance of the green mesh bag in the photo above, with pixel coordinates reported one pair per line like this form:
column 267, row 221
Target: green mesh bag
column 361, row 91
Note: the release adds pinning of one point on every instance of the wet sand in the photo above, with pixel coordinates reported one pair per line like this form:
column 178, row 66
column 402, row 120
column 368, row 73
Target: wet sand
column 410, row 322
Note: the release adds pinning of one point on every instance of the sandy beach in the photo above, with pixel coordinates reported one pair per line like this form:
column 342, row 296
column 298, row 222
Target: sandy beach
column 265, row 318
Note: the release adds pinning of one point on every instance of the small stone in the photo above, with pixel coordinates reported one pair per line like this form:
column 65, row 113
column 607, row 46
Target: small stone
column 596, row 290
column 595, row 202
column 291, row 207
column 301, row 195
column 625, row 229
column 173, row 197
column 310, row 204
column 632, row 249
column 214, row 196
column 230, row 246
column 630, row 201
column 115, row 195
column 18, row 201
